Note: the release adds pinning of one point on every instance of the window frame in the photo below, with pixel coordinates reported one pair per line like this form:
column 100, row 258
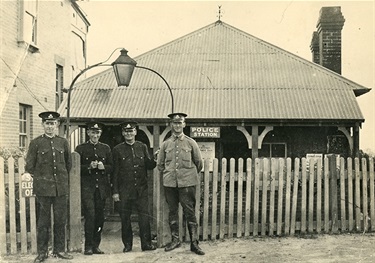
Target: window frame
column 28, row 8
column 24, row 120
column 270, row 144
column 59, row 90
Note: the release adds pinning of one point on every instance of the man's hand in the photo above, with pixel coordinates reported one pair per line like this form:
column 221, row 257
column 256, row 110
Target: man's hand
column 116, row 197
column 94, row 164
column 100, row 165
column 156, row 154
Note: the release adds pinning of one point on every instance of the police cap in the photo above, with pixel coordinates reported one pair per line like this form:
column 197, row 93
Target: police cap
column 49, row 115
column 95, row 126
column 128, row 125
column 177, row 117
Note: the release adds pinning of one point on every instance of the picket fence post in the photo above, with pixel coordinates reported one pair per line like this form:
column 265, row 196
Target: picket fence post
column 75, row 234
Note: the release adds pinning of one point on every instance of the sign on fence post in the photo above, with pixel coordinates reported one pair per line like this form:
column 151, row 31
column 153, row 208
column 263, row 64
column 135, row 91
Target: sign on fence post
column 333, row 191
column 27, row 185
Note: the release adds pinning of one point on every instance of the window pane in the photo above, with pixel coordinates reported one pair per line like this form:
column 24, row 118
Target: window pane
column 264, row 151
column 24, row 125
column 29, row 25
column 278, row 150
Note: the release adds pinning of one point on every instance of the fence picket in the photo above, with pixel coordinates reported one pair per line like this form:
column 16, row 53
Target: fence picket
column 372, row 194
column 231, row 197
column 256, row 196
column 248, row 196
column 333, row 194
column 223, row 197
column 239, row 199
column 357, row 196
column 280, row 196
column 197, row 207
column 350, row 194
column 12, row 207
column 295, row 196
column 319, row 196
column 215, row 175
column 33, row 243
column 266, row 175
column 326, row 195
column 22, row 212
column 364, row 195
column 311, row 196
column 3, row 230
column 272, row 196
column 303, row 198
column 342, row 194
column 206, row 198
column 287, row 195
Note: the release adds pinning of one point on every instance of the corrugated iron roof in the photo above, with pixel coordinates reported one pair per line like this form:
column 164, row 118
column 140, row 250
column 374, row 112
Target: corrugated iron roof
column 220, row 72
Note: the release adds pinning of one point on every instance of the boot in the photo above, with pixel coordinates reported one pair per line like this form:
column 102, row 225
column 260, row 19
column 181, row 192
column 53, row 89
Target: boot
column 194, row 239
column 175, row 238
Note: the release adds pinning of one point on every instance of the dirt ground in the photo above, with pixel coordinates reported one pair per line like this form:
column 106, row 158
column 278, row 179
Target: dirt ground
column 313, row 248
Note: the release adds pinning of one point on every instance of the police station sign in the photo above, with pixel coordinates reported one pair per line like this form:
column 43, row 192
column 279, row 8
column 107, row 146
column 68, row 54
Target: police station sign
column 27, row 185
column 205, row 132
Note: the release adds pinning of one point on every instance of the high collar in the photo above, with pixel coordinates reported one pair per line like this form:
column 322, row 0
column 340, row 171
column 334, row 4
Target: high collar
column 90, row 142
column 180, row 137
column 131, row 144
column 48, row 136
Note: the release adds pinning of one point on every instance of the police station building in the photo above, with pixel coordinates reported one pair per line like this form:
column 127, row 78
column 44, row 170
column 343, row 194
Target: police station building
column 244, row 97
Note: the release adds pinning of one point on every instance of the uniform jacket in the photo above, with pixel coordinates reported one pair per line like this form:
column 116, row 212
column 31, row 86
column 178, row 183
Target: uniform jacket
column 179, row 161
column 49, row 161
column 95, row 178
column 131, row 163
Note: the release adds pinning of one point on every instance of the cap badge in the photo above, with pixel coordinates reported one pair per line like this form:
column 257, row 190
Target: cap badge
column 50, row 116
column 96, row 126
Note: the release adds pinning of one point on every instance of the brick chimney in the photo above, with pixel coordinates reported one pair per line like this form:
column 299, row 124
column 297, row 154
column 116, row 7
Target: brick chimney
column 327, row 52
column 314, row 46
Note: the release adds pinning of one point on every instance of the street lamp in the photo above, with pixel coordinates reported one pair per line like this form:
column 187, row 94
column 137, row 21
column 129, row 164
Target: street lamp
column 122, row 70
column 125, row 65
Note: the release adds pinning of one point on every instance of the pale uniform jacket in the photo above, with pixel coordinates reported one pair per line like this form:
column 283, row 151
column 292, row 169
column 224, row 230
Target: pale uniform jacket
column 180, row 161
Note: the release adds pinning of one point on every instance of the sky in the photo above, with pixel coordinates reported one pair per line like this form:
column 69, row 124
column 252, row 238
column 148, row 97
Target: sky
column 140, row 26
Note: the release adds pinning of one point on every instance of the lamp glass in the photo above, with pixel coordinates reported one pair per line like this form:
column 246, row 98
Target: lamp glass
column 123, row 73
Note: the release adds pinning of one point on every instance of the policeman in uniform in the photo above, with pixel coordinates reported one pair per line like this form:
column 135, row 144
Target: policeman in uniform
column 131, row 161
column 96, row 164
column 49, row 161
column 180, row 161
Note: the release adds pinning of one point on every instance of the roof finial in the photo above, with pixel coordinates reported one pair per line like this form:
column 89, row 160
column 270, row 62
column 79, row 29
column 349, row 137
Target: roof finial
column 219, row 13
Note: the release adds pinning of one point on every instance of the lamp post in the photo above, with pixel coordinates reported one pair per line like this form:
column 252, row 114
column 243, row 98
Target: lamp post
column 124, row 63
column 121, row 69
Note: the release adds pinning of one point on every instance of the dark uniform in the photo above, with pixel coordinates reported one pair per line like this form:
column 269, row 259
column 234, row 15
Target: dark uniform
column 49, row 162
column 131, row 163
column 95, row 188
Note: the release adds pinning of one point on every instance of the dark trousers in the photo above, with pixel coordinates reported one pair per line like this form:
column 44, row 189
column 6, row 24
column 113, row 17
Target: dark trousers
column 59, row 204
column 125, row 210
column 93, row 211
column 186, row 197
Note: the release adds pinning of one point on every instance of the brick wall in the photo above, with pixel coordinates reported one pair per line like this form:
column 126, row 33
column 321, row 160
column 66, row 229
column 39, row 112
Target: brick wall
column 35, row 85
